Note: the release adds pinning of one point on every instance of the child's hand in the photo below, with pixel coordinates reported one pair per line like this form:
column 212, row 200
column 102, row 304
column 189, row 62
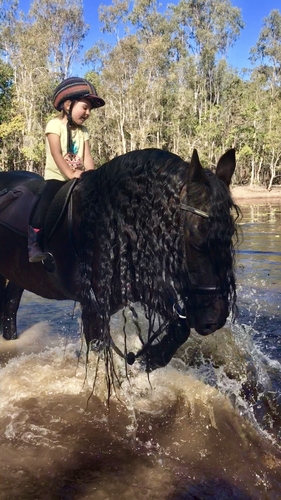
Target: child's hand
column 75, row 174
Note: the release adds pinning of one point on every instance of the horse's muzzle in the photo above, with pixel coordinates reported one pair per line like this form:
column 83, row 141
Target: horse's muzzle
column 208, row 327
column 208, row 314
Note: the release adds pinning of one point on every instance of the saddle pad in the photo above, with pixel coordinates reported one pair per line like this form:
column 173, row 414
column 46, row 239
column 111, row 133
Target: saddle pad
column 15, row 208
column 18, row 203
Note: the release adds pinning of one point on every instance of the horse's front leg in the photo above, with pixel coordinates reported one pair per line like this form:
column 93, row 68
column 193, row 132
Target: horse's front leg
column 95, row 330
column 10, row 296
column 2, row 295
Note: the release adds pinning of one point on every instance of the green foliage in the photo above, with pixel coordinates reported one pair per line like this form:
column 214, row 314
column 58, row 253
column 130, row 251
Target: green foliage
column 14, row 126
column 164, row 77
column 33, row 153
column 6, row 90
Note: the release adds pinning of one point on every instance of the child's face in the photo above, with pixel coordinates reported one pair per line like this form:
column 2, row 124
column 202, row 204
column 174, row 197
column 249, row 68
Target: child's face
column 80, row 111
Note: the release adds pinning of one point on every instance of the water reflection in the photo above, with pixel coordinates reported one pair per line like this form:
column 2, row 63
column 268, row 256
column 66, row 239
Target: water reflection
column 259, row 275
column 261, row 213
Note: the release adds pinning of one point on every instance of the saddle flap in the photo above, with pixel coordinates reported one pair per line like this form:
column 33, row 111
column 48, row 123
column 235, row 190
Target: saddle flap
column 57, row 208
column 16, row 206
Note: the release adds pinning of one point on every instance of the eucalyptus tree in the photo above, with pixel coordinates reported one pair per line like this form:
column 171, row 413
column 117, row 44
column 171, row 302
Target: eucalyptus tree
column 6, row 122
column 40, row 46
column 26, row 50
column 267, row 55
column 206, row 29
column 64, row 30
column 247, row 128
column 157, row 75
column 6, row 90
column 134, row 73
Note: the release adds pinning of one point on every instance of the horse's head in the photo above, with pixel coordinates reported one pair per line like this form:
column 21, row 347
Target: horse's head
column 208, row 292
column 157, row 231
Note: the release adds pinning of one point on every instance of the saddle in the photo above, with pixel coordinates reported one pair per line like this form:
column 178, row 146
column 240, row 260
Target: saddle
column 22, row 194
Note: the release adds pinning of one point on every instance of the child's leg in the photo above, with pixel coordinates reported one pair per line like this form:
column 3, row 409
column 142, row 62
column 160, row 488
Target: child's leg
column 35, row 252
column 35, row 233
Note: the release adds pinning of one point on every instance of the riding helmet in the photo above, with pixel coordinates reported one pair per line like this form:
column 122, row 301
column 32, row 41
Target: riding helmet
column 75, row 88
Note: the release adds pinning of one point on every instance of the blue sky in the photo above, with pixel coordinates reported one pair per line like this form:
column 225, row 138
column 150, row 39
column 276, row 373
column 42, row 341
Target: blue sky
column 253, row 13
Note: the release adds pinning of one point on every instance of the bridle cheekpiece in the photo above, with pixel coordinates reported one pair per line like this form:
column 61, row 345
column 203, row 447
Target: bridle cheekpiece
column 193, row 210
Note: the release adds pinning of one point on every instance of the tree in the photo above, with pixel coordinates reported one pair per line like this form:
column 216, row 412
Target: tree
column 6, row 90
column 40, row 47
column 206, row 29
column 267, row 52
column 64, row 32
column 133, row 86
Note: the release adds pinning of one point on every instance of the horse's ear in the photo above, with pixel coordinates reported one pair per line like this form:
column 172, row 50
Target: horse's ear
column 196, row 171
column 226, row 166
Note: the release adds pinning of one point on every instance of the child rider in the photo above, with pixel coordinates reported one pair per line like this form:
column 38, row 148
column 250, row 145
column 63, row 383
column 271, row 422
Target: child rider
column 67, row 145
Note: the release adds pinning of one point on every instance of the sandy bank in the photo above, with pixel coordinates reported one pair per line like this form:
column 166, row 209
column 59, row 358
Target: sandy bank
column 247, row 194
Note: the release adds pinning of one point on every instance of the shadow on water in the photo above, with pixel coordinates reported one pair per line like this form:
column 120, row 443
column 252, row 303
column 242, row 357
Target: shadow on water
column 212, row 489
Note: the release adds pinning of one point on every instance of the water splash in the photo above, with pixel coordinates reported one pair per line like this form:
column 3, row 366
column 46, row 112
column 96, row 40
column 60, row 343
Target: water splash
column 169, row 437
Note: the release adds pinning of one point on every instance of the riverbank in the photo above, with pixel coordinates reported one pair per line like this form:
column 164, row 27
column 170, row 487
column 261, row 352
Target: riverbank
column 256, row 194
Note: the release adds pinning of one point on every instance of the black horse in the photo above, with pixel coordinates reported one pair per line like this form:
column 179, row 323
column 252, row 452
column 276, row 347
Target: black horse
column 145, row 227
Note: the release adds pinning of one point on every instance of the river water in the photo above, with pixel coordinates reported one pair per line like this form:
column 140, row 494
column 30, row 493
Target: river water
column 205, row 427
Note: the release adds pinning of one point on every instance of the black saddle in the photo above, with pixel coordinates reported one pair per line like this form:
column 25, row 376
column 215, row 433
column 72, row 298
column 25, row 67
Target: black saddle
column 26, row 196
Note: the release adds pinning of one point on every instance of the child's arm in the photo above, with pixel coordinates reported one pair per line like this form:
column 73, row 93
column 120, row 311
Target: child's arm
column 88, row 160
column 56, row 152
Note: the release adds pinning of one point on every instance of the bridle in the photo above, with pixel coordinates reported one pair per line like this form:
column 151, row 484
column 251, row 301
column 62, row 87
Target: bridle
column 179, row 311
column 195, row 211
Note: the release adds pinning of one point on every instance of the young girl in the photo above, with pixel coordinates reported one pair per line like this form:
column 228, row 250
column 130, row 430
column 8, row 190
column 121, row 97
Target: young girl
column 67, row 140
column 67, row 143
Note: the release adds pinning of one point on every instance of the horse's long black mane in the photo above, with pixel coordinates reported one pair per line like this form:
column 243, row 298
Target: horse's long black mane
column 130, row 209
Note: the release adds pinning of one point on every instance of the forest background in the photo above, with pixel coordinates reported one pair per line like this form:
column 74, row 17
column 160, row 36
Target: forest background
column 164, row 77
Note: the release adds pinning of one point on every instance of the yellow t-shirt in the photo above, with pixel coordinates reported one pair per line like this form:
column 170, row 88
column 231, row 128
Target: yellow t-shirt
column 78, row 138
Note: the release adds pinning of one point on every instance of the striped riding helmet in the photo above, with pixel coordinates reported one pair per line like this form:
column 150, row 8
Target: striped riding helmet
column 75, row 88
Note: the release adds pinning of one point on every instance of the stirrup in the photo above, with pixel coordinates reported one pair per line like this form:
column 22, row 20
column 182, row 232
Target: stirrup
column 49, row 262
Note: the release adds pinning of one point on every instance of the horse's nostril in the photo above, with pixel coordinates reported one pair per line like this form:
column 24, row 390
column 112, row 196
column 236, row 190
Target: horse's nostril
column 209, row 326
